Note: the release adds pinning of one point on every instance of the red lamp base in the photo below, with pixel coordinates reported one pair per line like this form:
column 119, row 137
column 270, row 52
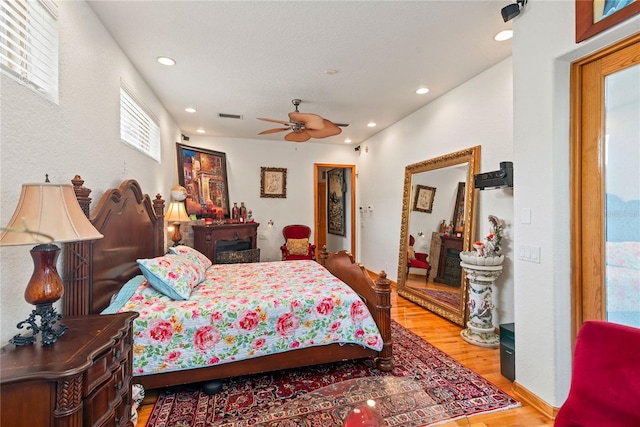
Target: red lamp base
column 44, row 288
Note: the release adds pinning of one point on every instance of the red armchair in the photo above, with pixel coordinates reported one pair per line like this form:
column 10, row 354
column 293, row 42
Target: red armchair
column 417, row 259
column 296, row 243
column 605, row 382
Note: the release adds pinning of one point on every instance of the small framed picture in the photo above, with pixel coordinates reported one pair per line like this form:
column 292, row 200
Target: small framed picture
column 423, row 198
column 273, row 182
column 595, row 16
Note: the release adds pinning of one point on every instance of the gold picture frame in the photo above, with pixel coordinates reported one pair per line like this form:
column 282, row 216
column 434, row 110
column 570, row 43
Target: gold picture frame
column 273, row 182
column 423, row 199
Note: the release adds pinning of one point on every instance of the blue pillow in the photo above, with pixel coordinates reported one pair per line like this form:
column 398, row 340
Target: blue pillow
column 173, row 275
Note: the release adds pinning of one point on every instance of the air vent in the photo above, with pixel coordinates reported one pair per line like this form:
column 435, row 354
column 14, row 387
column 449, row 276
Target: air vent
column 230, row 116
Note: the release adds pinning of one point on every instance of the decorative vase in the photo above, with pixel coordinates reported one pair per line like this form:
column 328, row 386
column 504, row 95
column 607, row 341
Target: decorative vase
column 243, row 210
column 473, row 258
column 480, row 330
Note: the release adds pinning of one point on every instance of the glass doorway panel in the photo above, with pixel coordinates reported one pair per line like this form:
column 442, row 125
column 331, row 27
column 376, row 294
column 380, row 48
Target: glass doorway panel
column 622, row 196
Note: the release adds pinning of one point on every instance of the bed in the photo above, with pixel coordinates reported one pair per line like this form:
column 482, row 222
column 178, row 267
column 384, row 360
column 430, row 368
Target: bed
column 133, row 228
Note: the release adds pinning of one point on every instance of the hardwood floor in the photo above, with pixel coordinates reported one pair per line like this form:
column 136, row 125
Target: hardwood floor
column 445, row 336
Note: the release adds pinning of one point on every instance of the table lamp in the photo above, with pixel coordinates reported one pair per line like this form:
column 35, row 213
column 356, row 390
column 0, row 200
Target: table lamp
column 176, row 213
column 46, row 213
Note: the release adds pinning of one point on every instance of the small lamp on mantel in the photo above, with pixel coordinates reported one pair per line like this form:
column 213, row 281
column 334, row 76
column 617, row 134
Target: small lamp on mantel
column 175, row 214
column 46, row 213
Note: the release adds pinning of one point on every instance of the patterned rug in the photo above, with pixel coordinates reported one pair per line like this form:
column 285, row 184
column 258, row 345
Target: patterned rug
column 451, row 298
column 426, row 387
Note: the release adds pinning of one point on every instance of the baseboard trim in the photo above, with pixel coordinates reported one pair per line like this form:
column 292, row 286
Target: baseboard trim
column 532, row 399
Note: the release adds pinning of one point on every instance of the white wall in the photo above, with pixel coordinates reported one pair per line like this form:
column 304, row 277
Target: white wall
column 81, row 136
column 479, row 112
column 244, row 159
column 543, row 48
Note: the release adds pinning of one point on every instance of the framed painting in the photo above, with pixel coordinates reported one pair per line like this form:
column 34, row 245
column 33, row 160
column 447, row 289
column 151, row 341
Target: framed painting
column 458, row 210
column 595, row 16
column 423, row 198
column 204, row 174
column 273, row 182
column 336, row 201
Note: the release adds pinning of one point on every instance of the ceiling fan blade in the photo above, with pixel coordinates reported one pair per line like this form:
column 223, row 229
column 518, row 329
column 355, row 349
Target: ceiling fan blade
column 310, row 120
column 282, row 122
column 329, row 130
column 273, row 130
column 297, row 136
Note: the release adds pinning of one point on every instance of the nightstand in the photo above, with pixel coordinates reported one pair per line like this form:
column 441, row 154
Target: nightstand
column 84, row 379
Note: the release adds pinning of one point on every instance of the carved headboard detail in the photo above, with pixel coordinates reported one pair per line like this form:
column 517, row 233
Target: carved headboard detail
column 133, row 228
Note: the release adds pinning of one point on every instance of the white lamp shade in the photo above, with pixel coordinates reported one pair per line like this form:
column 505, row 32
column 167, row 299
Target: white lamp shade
column 176, row 212
column 48, row 210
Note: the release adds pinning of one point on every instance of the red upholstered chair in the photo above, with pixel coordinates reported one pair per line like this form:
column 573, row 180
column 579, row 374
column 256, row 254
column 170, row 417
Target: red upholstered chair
column 417, row 259
column 605, row 384
column 296, row 243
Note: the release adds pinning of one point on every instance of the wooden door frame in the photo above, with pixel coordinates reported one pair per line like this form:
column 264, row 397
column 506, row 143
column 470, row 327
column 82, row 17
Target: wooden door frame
column 587, row 174
column 316, row 169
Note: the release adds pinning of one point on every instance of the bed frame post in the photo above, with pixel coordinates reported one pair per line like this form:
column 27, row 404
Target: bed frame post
column 158, row 209
column 77, row 263
column 384, row 362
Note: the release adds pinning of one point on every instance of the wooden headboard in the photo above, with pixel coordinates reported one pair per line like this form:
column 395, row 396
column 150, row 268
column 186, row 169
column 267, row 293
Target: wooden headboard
column 133, row 228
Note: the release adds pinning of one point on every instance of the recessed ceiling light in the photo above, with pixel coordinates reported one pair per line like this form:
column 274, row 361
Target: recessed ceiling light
column 331, row 71
column 165, row 60
column 190, row 110
column 200, row 131
column 371, row 124
column 347, row 141
column 503, row 35
column 422, row 90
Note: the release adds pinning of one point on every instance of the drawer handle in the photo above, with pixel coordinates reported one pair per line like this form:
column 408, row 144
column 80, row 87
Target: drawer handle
column 117, row 354
column 119, row 421
column 508, row 352
column 119, row 386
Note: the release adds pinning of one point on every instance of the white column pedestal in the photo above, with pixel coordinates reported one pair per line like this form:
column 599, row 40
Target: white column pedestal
column 480, row 330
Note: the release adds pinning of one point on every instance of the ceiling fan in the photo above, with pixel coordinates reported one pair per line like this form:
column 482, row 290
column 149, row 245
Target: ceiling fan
column 304, row 126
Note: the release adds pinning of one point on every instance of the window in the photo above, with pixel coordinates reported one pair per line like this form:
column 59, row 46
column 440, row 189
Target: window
column 29, row 44
column 138, row 127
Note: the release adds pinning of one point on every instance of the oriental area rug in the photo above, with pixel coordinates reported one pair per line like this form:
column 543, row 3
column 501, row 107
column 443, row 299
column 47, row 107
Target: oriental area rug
column 426, row 387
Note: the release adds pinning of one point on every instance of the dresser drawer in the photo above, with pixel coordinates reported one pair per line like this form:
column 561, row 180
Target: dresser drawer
column 100, row 404
column 101, row 370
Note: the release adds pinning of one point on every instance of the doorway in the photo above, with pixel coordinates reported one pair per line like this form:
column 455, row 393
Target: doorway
column 340, row 234
column 605, row 189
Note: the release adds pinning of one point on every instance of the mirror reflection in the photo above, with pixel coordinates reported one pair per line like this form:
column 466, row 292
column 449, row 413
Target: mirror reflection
column 437, row 223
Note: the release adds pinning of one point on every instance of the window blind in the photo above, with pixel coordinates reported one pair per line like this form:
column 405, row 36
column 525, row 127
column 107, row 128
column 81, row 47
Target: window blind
column 29, row 44
column 137, row 127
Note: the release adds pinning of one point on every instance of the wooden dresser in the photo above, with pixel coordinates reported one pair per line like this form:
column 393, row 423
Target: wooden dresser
column 83, row 379
column 208, row 239
column 449, row 270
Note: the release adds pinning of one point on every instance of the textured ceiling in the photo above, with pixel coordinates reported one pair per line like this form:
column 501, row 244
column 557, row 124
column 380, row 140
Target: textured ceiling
column 253, row 58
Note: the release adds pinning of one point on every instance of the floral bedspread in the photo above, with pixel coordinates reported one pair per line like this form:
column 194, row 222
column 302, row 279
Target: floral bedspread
column 247, row 310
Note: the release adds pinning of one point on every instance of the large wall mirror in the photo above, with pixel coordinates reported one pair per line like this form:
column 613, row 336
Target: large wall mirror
column 438, row 219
